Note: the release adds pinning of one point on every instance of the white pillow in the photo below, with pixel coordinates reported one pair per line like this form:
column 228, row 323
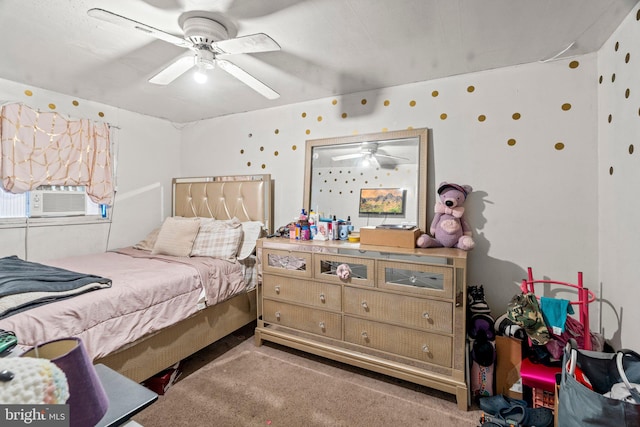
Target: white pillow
column 252, row 231
column 218, row 239
column 176, row 236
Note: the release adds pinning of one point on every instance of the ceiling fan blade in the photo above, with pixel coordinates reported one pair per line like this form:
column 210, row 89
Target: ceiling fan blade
column 387, row 156
column 174, row 70
column 346, row 157
column 247, row 44
column 247, row 79
column 122, row 21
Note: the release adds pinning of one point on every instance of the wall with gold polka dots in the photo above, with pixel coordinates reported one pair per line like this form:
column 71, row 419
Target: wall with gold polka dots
column 618, row 86
column 524, row 137
column 145, row 153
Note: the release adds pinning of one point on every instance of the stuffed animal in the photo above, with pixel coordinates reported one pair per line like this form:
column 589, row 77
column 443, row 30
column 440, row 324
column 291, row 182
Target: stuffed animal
column 449, row 227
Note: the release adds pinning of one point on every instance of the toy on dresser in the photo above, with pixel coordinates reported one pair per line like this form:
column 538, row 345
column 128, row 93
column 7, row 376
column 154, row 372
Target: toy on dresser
column 449, row 228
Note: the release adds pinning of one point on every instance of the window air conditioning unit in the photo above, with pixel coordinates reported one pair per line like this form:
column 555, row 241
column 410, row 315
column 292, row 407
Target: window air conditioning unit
column 57, row 202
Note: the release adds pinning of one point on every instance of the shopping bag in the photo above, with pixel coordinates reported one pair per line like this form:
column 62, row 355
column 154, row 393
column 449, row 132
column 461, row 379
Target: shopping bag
column 579, row 405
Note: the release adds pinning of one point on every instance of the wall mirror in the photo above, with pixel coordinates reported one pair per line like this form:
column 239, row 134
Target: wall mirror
column 374, row 178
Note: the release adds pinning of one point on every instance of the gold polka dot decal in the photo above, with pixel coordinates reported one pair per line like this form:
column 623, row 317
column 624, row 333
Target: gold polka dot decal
column 600, row 80
column 516, row 116
column 385, row 130
column 412, row 103
column 443, row 116
column 319, row 118
column 610, row 118
column 248, row 163
column 482, row 118
column 261, row 148
column 308, row 131
column 574, row 64
column 611, row 170
column 566, row 107
column 304, row 115
column 52, row 106
column 511, row 142
column 638, row 15
column 344, row 115
column 435, row 93
column 363, row 102
column 28, row 92
column 277, row 131
column 275, row 153
column 631, row 149
column 613, row 77
column 386, row 102
column 627, row 57
column 334, row 102
column 627, row 93
column 242, row 151
column 471, row 89
column 263, row 166
column 294, row 147
column 559, row 146
column 617, row 46
column 75, row 103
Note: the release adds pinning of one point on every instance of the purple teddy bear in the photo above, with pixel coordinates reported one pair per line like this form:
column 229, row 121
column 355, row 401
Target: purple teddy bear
column 449, row 228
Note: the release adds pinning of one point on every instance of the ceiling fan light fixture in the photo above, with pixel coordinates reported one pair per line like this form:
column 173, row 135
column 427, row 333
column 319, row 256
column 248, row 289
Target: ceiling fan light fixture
column 200, row 75
column 204, row 60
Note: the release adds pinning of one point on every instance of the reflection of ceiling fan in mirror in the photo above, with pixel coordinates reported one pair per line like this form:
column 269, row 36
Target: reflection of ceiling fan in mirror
column 370, row 154
column 208, row 40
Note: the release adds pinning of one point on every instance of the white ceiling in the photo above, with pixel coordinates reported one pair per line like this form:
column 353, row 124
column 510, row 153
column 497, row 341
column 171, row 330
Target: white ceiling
column 328, row 47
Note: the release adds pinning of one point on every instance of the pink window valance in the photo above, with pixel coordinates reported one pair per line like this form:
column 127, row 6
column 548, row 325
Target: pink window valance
column 45, row 148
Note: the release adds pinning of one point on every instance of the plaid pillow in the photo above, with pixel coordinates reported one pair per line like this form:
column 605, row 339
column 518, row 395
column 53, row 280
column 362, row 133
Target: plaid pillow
column 218, row 239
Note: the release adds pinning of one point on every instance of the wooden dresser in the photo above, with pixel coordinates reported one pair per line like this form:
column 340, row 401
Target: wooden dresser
column 401, row 312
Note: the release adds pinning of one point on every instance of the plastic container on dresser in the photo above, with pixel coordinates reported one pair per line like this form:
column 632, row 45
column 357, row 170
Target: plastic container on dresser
column 401, row 312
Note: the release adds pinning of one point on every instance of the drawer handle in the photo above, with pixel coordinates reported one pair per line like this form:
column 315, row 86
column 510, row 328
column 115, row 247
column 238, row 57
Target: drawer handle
column 365, row 335
column 426, row 315
column 364, row 305
column 322, row 298
column 278, row 315
column 278, row 289
column 425, row 348
column 322, row 326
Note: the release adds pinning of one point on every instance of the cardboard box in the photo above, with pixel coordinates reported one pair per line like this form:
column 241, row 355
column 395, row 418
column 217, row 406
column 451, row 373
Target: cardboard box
column 508, row 360
column 389, row 237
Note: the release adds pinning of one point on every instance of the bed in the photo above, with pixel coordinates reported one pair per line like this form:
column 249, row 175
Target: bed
column 174, row 292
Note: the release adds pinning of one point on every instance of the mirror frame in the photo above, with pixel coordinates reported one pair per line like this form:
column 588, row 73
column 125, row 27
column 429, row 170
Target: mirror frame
column 423, row 138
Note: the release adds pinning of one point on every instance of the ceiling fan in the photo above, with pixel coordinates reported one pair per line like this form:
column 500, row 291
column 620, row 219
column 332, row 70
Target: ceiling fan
column 208, row 40
column 369, row 152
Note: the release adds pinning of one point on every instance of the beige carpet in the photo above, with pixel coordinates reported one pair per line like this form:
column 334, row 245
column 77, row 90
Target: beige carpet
column 275, row 386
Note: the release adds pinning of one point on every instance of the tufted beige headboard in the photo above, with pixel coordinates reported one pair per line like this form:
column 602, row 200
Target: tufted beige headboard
column 247, row 197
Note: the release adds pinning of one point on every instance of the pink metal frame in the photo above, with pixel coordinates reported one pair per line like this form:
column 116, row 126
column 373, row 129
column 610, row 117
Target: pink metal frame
column 585, row 297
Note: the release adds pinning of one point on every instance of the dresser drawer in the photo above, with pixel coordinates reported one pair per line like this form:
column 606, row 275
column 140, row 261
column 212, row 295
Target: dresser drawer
column 421, row 279
column 406, row 310
column 295, row 264
column 324, row 295
column 362, row 269
column 424, row 346
column 305, row 319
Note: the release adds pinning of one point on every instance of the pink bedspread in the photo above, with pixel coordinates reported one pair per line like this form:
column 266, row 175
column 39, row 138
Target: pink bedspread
column 148, row 293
